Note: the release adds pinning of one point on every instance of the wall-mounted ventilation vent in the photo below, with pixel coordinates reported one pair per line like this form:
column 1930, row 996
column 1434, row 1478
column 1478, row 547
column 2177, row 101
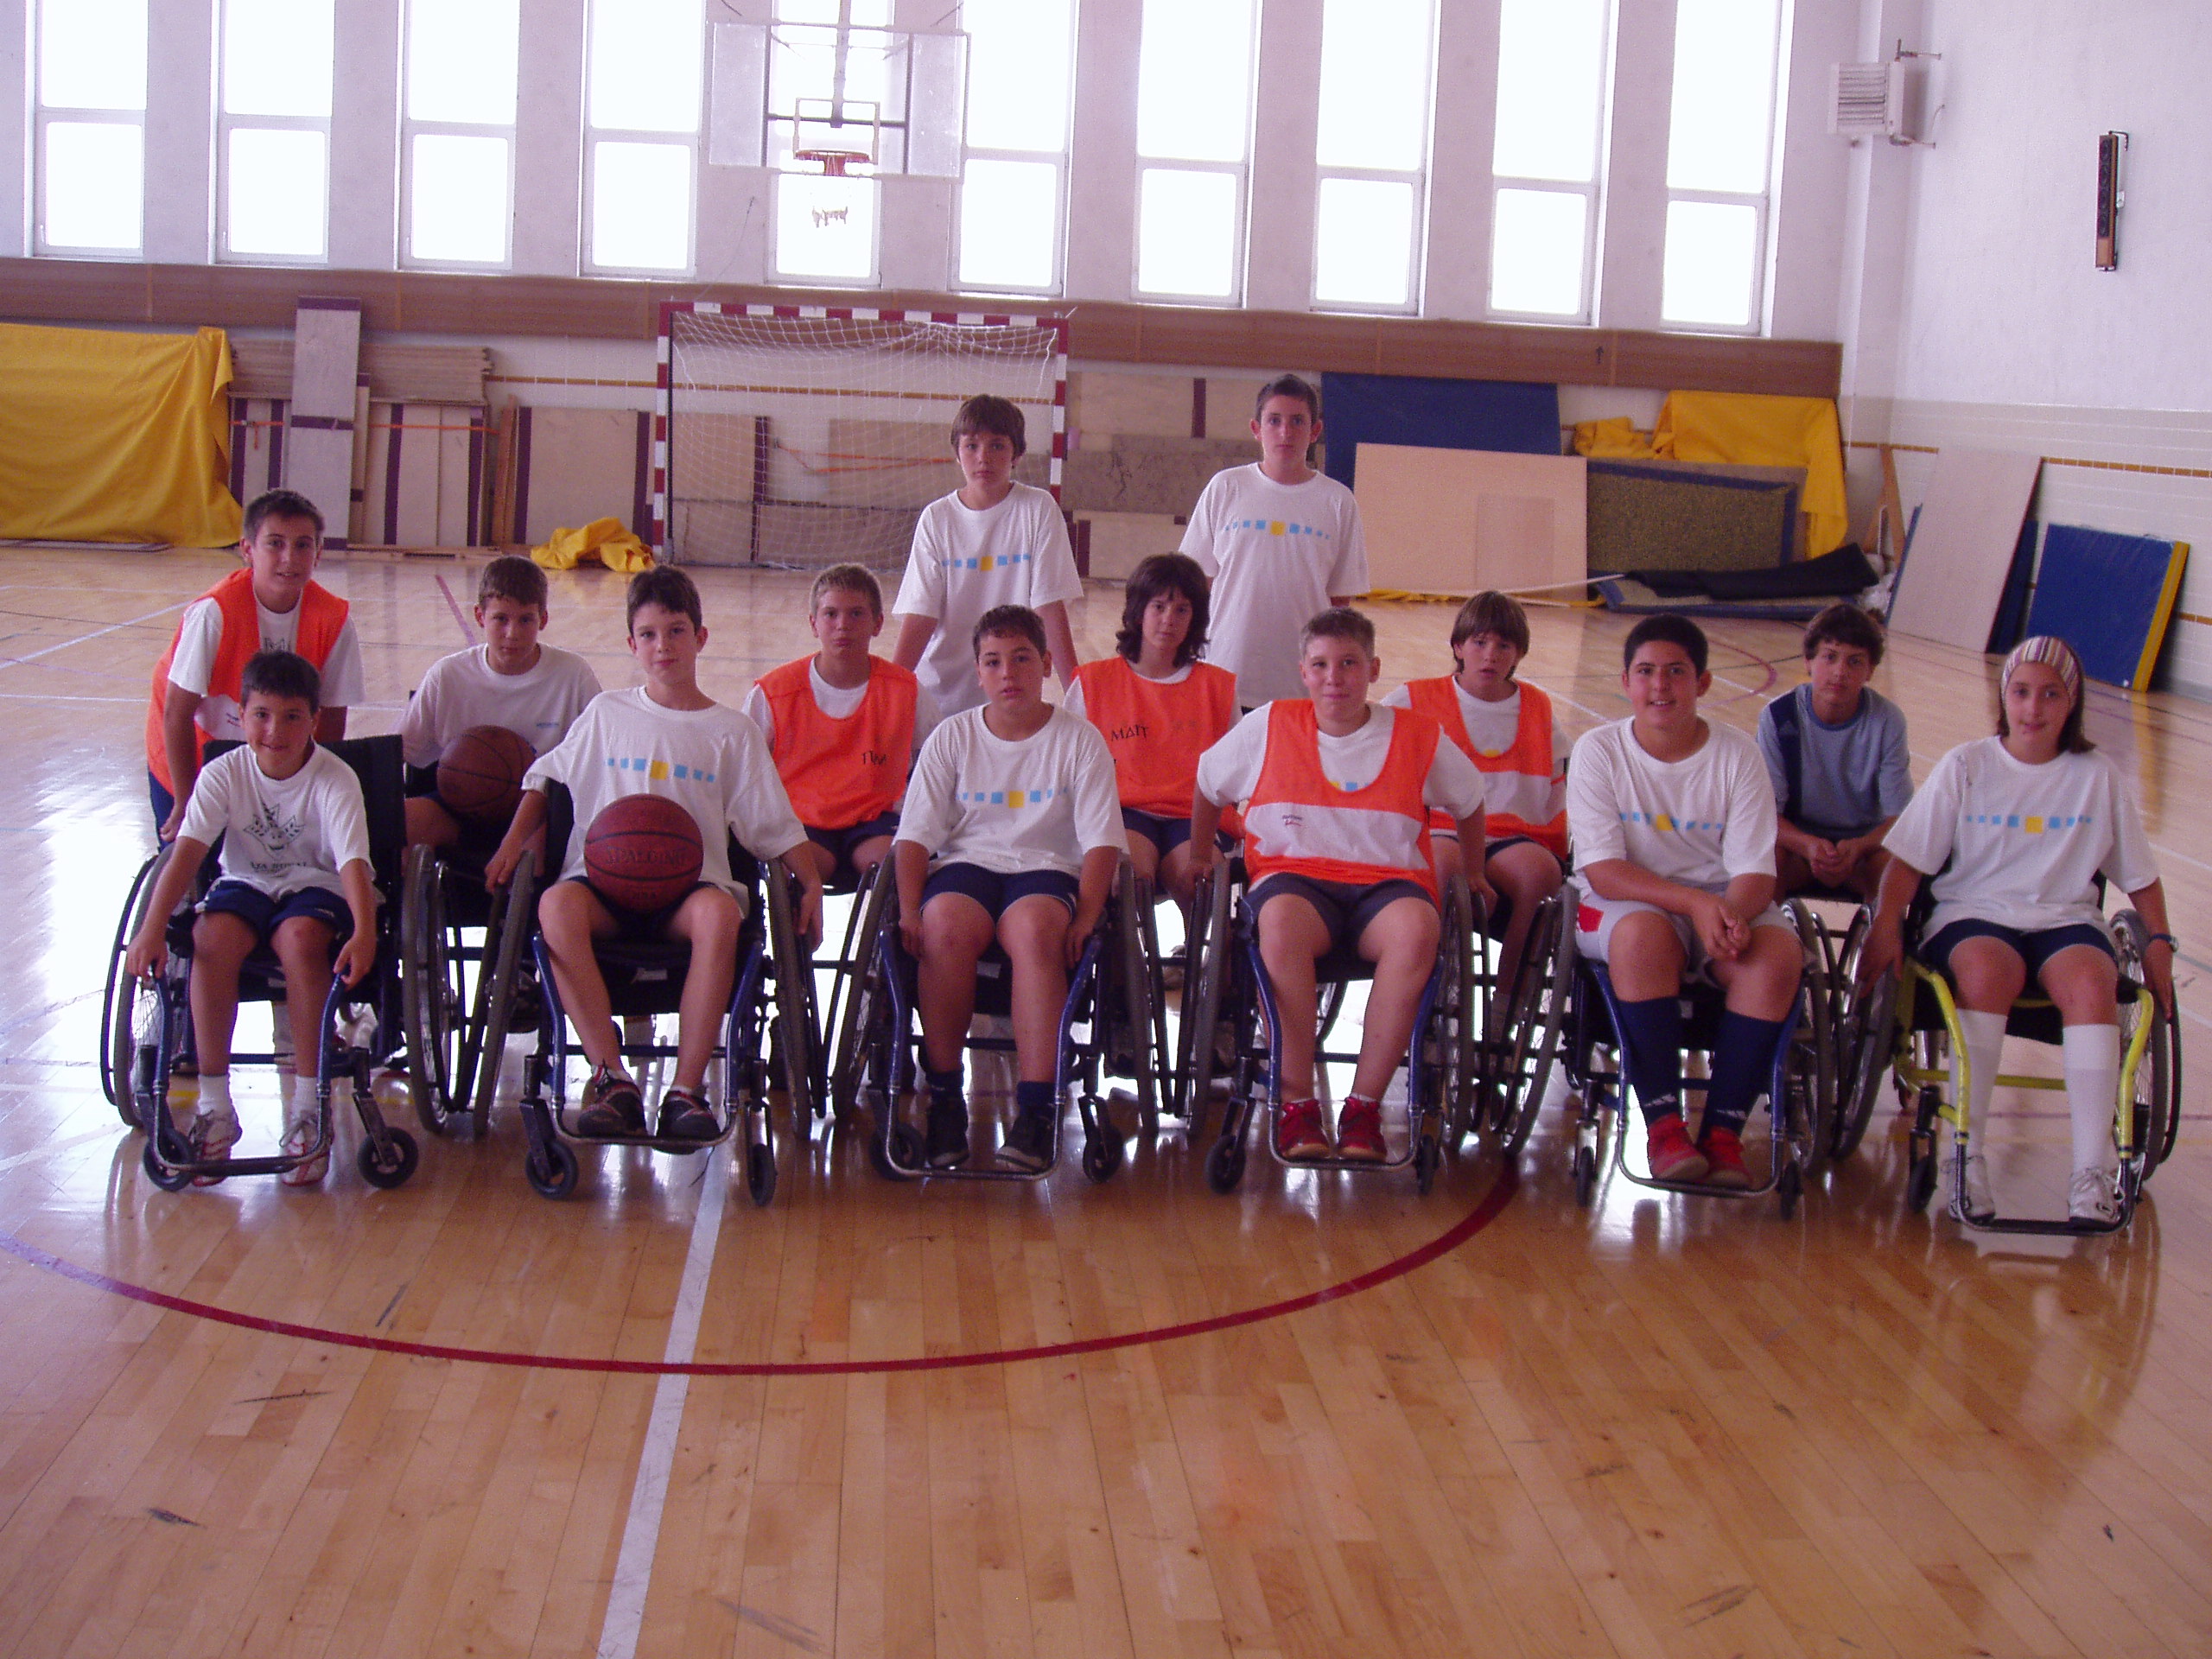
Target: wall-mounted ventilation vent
column 1867, row 100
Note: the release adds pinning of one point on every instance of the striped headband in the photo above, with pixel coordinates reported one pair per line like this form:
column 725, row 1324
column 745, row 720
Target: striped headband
column 2052, row 653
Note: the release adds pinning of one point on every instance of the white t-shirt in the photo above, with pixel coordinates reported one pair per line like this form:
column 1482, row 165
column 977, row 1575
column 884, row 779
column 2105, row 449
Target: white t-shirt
column 280, row 835
column 1073, row 701
column 1276, row 552
column 710, row 761
column 1492, row 728
column 1229, row 771
column 1038, row 804
column 836, row 702
column 965, row 562
column 1702, row 821
column 464, row 690
column 200, row 637
column 2025, row 842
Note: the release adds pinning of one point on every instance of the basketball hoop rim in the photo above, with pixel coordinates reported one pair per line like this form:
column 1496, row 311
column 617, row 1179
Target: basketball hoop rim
column 834, row 162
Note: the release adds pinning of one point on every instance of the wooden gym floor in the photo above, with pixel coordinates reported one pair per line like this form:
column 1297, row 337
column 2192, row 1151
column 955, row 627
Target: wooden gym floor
column 1323, row 1416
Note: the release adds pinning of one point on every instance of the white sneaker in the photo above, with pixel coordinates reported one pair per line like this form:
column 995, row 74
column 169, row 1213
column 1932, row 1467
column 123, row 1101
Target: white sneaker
column 2089, row 1197
column 299, row 1135
column 1980, row 1200
column 212, row 1136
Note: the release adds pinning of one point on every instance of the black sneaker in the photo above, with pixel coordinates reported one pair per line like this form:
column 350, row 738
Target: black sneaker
column 685, row 1115
column 948, row 1137
column 1029, row 1143
column 615, row 1109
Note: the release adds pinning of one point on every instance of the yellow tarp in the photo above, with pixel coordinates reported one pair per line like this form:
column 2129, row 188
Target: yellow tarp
column 116, row 437
column 1617, row 439
column 1754, row 430
column 604, row 539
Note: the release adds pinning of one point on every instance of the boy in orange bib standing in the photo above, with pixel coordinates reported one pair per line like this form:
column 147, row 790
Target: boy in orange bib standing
column 1339, row 792
column 844, row 726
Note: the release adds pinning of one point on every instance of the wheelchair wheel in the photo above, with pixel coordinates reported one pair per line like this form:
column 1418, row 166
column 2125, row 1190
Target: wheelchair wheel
column 1863, row 1058
column 506, row 937
column 1130, row 998
column 120, row 1012
column 2158, row 1074
column 905, row 1159
column 1787, row 1186
column 432, row 993
column 861, row 993
column 1812, row 1069
column 794, row 1037
column 550, row 1168
column 1920, row 1176
column 169, row 1180
column 1102, row 1154
column 1461, row 1010
column 1585, row 1175
column 1225, row 1164
column 1528, row 1047
column 760, row 1174
column 393, row 1169
column 1207, row 963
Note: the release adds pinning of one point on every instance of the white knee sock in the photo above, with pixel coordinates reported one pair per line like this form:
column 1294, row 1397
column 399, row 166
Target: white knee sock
column 214, row 1094
column 1985, row 1046
column 302, row 1108
column 2092, row 1091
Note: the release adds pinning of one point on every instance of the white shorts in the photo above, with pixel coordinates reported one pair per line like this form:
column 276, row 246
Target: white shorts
column 1595, row 919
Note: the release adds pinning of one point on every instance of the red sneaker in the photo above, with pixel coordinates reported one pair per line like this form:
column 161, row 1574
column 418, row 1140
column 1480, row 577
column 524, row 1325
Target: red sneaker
column 1724, row 1152
column 1673, row 1158
column 1299, row 1135
column 1359, row 1131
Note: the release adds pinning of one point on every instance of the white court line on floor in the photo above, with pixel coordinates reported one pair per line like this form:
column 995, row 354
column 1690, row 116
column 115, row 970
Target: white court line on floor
column 112, row 627
column 633, row 1565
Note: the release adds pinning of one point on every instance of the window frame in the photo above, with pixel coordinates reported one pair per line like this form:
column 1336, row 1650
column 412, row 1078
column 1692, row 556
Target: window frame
column 226, row 123
column 411, row 128
column 691, row 142
column 1419, row 178
column 1240, row 171
column 1592, row 191
column 1760, row 202
column 45, row 115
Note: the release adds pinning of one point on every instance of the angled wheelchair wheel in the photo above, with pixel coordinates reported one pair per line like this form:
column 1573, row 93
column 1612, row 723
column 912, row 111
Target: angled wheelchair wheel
column 1455, row 1044
column 121, row 1014
column 1812, row 1070
column 1528, row 1046
column 1207, row 967
column 793, row 1038
column 1130, row 998
column 431, row 993
column 1862, row 1061
column 397, row 1162
column 497, row 980
column 2155, row 1118
column 550, row 1168
column 862, row 997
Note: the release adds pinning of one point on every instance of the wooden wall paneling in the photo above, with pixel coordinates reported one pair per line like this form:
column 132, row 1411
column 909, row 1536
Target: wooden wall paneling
column 1962, row 549
column 894, row 463
column 461, row 437
column 1788, row 368
column 256, row 445
column 357, row 496
column 1229, row 400
column 1120, row 540
column 1104, row 403
column 1457, row 521
column 374, row 519
column 1147, row 475
column 319, row 425
column 583, row 465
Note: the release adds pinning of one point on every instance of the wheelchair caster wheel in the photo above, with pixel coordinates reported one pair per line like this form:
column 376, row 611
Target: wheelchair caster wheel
column 1787, row 1186
column 1427, row 1156
column 398, row 1163
column 1920, row 1180
column 1225, row 1166
column 905, row 1158
column 552, row 1169
column 1101, row 1156
column 1585, row 1175
column 761, row 1172
column 169, row 1180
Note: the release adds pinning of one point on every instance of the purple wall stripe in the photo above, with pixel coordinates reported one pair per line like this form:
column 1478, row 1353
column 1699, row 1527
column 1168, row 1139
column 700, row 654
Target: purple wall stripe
column 475, row 477
column 522, row 473
column 391, row 476
column 641, row 490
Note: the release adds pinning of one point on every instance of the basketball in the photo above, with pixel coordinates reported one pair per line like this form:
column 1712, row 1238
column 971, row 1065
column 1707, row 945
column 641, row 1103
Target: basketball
column 642, row 852
column 480, row 775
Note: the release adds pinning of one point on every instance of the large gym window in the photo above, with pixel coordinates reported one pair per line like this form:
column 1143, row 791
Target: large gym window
column 831, row 70
column 643, row 75
column 1371, row 149
column 1546, row 157
column 273, row 139
column 90, row 126
column 458, row 135
column 1720, row 159
column 1194, row 139
column 1020, row 64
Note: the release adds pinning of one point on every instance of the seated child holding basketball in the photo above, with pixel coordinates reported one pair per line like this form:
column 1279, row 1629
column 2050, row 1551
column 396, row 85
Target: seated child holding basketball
column 274, row 604
column 1836, row 752
column 1337, row 792
column 1506, row 728
column 294, row 877
column 513, row 684
column 1673, row 826
column 1159, row 708
column 665, row 738
column 843, row 726
column 2015, row 829
column 1012, row 832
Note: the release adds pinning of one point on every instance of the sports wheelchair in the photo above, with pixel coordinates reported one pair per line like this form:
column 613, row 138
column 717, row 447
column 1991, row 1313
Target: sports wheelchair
column 766, row 1036
column 1230, row 1031
column 1799, row 1090
column 1109, row 1025
column 146, row 1028
column 2146, row 1115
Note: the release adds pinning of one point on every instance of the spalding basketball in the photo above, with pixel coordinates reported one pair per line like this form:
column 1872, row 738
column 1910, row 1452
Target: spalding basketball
column 480, row 775
column 642, row 852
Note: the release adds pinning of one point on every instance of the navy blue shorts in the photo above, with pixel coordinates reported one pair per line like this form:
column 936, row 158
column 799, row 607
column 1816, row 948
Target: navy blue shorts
column 640, row 925
column 1166, row 834
column 994, row 891
column 839, row 843
column 262, row 912
column 1345, row 909
column 157, row 793
column 2035, row 949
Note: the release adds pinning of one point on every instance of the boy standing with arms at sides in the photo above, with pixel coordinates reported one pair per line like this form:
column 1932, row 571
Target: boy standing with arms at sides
column 1013, row 832
column 669, row 738
column 1836, row 752
column 1673, row 826
column 843, row 726
column 274, row 604
column 1281, row 541
column 1506, row 728
column 294, row 877
column 533, row 689
column 1336, row 838
column 993, row 542
column 1160, row 710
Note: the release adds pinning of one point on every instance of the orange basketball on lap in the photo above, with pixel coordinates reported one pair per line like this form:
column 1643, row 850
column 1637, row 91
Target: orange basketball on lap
column 480, row 775
column 642, row 852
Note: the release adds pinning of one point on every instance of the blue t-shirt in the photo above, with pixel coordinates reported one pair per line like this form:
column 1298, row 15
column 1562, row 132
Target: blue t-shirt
column 1850, row 777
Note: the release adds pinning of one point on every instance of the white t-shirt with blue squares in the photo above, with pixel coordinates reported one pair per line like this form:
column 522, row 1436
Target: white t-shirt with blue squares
column 713, row 762
column 1702, row 821
column 1038, row 804
column 1276, row 552
column 965, row 562
column 2025, row 843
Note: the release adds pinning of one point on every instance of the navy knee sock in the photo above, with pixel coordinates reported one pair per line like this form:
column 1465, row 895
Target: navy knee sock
column 943, row 1086
column 1743, row 1066
column 1651, row 1053
column 1032, row 1096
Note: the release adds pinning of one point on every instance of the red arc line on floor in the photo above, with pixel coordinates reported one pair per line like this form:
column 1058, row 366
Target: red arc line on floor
column 1481, row 1216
